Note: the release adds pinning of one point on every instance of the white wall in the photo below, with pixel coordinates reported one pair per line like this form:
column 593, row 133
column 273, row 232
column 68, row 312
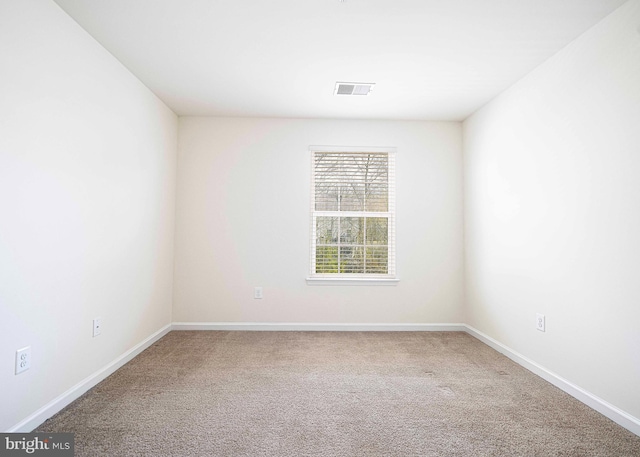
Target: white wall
column 87, row 167
column 87, row 188
column 552, row 212
column 243, row 221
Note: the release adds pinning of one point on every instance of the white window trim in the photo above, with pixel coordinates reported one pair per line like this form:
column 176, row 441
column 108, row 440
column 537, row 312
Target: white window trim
column 315, row 281
column 364, row 279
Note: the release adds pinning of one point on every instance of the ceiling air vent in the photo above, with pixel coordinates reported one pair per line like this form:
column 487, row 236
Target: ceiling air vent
column 353, row 88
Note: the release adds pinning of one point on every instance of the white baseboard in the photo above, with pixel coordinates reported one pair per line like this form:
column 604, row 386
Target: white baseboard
column 58, row 403
column 306, row 327
column 620, row 417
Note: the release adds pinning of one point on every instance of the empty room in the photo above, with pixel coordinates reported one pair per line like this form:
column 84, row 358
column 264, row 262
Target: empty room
column 320, row 227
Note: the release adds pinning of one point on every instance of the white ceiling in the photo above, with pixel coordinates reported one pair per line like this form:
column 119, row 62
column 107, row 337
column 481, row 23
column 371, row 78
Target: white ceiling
column 431, row 59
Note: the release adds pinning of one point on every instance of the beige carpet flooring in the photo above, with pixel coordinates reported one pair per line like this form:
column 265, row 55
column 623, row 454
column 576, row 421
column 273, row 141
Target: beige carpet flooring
column 332, row 394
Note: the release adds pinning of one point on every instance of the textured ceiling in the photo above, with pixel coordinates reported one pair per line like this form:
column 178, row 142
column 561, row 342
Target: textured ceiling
column 431, row 59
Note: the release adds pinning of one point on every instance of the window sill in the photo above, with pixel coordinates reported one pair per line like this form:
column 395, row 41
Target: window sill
column 352, row 281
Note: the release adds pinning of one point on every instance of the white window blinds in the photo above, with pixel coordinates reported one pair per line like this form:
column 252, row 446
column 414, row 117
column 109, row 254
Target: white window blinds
column 353, row 213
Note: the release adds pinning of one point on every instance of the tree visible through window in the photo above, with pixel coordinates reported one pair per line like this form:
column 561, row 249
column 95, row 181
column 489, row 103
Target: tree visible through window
column 352, row 214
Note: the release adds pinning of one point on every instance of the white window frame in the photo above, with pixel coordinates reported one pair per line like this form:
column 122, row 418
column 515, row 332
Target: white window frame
column 355, row 278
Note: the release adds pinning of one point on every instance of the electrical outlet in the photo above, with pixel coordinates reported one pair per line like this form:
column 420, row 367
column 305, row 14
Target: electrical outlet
column 97, row 326
column 23, row 359
column 257, row 293
column 540, row 322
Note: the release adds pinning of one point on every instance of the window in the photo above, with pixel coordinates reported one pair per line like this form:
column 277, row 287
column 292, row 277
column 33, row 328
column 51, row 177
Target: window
column 352, row 213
